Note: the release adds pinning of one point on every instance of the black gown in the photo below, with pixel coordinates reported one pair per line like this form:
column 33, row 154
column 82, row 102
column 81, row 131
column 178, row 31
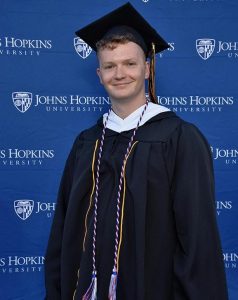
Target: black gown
column 170, row 243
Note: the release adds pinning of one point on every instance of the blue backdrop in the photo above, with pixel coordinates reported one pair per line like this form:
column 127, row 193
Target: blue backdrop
column 49, row 92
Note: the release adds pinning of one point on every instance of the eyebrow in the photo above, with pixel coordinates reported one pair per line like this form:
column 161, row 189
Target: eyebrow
column 124, row 60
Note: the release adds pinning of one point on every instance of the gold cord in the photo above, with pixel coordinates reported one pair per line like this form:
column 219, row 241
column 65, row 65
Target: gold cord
column 91, row 196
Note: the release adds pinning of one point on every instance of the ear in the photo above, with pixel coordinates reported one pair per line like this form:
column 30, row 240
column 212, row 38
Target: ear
column 147, row 70
column 99, row 75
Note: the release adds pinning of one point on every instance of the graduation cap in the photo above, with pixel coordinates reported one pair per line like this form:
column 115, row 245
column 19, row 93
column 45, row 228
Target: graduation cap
column 123, row 21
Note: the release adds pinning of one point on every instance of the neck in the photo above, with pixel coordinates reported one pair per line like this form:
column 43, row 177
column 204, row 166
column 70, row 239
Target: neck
column 124, row 108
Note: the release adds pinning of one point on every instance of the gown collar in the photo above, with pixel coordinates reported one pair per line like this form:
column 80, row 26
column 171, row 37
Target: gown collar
column 118, row 124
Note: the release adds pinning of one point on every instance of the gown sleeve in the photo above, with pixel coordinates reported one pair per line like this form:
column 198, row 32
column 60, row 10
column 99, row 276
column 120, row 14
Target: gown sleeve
column 53, row 252
column 198, row 263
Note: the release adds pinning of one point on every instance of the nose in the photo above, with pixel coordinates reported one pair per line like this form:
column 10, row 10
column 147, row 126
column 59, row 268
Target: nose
column 119, row 73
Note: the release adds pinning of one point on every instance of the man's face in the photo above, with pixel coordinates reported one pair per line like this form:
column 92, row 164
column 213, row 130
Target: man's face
column 123, row 71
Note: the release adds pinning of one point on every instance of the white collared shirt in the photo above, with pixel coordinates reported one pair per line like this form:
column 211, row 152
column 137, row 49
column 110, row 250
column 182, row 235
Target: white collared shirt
column 118, row 124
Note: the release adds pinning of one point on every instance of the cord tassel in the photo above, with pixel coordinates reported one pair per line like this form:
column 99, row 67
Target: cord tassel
column 91, row 293
column 152, row 92
column 113, row 285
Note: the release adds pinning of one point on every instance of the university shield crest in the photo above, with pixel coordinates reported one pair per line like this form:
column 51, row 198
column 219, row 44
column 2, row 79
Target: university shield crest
column 23, row 208
column 22, row 100
column 82, row 48
column 205, row 47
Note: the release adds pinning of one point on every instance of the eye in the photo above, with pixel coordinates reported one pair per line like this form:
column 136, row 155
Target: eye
column 131, row 63
column 107, row 67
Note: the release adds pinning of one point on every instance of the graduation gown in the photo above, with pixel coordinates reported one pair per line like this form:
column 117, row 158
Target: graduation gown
column 170, row 247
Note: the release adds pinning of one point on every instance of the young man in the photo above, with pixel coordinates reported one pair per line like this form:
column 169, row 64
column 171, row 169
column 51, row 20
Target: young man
column 135, row 217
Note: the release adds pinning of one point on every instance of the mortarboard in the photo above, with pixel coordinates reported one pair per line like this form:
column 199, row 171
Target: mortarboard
column 121, row 21
column 126, row 15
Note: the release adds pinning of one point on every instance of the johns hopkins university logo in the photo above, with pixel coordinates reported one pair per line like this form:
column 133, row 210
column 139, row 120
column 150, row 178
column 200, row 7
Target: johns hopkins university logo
column 23, row 208
column 205, row 47
column 22, row 100
column 82, row 48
